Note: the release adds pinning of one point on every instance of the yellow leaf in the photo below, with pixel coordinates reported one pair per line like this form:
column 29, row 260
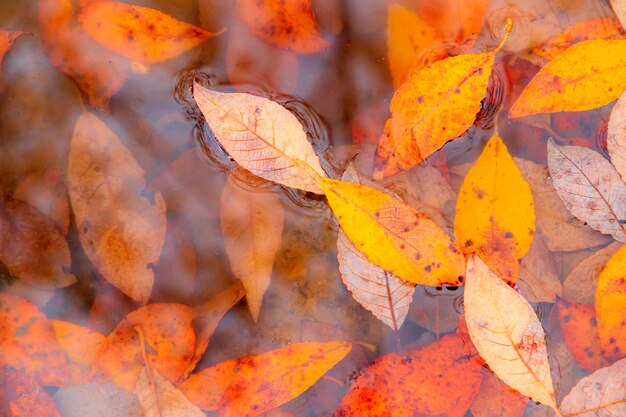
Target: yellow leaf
column 495, row 215
column 610, row 301
column 393, row 235
column 507, row 333
column 262, row 136
column 120, row 229
column 616, row 137
column 586, row 75
column 139, row 33
column 436, row 104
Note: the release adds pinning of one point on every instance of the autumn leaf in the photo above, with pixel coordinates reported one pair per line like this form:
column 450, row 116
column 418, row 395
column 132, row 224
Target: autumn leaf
column 436, row 104
column 616, row 136
column 601, row 394
column 7, row 38
column 496, row 399
column 28, row 342
column 262, row 136
column 120, row 229
column 80, row 345
column 580, row 331
column 585, row 76
column 159, row 398
column 252, row 219
column 435, row 380
column 22, row 396
column 287, row 24
column 96, row 400
column 393, row 235
column 598, row 28
column 507, row 333
column 495, row 215
column 206, row 388
column 539, row 280
column 619, row 7
column 98, row 73
column 610, row 301
column 139, row 33
column 32, row 247
column 590, row 188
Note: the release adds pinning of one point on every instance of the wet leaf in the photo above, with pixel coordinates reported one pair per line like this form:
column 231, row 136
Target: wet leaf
column 96, row 400
column 7, row 38
column 139, row 33
column 394, row 236
column 28, row 342
column 159, row 398
column 32, row 248
column 619, row 7
column 262, row 136
column 601, row 394
column 598, row 28
column 496, row 399
column 580, row 331
column 21, row 396
column 507, row 333
column 585, row 76
column 435, row 380
column 285, row 24
column 435, row 309
column 539, row 280
column 610, row 301
column 495, row 215
column 206, row 388
column 98, row 73
column 435, row 105
column 120, row 229
column 252, row 219
column 458, row 22
column 590, row 188
column 80, row 345
column 616, row 137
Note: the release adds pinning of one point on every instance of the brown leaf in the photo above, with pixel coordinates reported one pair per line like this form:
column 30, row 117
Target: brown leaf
column 616, row 136
column 496, row 399
column 159, row 398
column 96, row 400
column 22, row 396
column 539, row 280
column 6, row 42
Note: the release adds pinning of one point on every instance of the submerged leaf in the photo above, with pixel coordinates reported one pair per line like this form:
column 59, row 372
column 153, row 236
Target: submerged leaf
column 619, row 7
column 22, row 396
column 496, row 399
column 6, row 41
column 159, row 398
column 456, row 21
column 616, row 136
column 96, row 400
column 81, row 345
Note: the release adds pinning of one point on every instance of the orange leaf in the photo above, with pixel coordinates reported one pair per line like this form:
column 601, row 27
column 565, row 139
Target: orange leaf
column 580, row 331
column 6, row 41
column 205, row 388
column 21, row 396
column 139, row 33
column 98, row 73
column 287, row 24
column 28, row 342
column 496, row 399
column 80, row 345
column 435, row 380
column 456, row 21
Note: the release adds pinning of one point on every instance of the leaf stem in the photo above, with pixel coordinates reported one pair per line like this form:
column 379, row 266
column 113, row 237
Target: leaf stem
column 507, row 31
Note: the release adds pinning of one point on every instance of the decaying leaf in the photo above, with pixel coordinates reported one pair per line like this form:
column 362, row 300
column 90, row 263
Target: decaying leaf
column 539, row 280
column 436, row 380
column 436, row 104
column 28, row 342
column 393, row 235
column 495, row 215
column 159, row 398
column 286, row 24
column 601, row 394
column 96, row 400
column 262, row 136
column 32, row 247
column 80, row 345
column 120, row 229
column 22, row 396
column 496, row 399
column 252, row 218
column 139, row 33
column 205, row 388
column 610, row 301
column 6, row 41
column 507, row 333
column 616, row 137
column 585, row 76
column 590, row 188
column 456, row 21
column 98, row 73
column 619, row 7
column 437, row 310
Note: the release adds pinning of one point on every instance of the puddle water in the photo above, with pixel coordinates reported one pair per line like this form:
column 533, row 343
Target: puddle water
column 341, row 96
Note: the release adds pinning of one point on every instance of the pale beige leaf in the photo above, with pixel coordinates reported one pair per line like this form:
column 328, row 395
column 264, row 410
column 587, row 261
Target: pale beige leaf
column 538, row 279
column 96, row 400
column 120, row 229
column 252, row 219
column 619, row 7
column 262, row 136
column 159, row 398
column 590, row 187
column 616, row 138
column 507, row 333
column 601, row 394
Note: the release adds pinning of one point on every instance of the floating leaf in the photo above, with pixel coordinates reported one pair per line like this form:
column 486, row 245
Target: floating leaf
column 252, row 221
column 120, row 229
column 435, row 380
column 610, row 302
column 601, row 394
column 96, row 400
column 80, row 345
column 590, row 188
column 616, row 137
column 585, row 76
column 22, row 396
column 393, row 235
column 507, row 333
column 206, row 388
column 159, row 398
column 286, row 24
column 496, row 399
column 619, row 7
column 262, row 136
column 139, row 33
column 436, row 104
column 6, row 41
column 495, row 215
